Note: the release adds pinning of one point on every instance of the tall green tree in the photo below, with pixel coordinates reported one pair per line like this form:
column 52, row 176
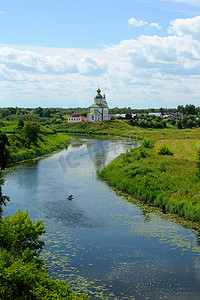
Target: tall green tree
column 20, row 236
column 31, row 131
column 3, row 150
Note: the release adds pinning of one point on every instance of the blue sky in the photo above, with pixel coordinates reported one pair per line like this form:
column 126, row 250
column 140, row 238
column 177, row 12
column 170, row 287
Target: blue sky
column 141, row 53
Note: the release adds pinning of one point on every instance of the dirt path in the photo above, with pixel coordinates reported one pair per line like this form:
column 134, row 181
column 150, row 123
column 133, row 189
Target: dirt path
column 180, row 150
column 188, row 148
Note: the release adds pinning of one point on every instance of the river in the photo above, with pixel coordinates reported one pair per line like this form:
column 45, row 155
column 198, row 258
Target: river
column 103, row 243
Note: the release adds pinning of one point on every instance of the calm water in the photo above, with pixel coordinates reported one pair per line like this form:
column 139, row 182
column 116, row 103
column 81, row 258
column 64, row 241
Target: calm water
column 100, row 242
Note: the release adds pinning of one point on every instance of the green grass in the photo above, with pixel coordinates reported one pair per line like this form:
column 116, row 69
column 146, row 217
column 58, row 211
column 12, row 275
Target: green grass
column 20, row 149
column 186, row 148
column 120, row 128
column 45, row 145
column 158, row 180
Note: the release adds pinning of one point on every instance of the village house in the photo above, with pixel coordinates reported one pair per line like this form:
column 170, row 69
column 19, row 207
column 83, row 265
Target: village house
column 76, row 117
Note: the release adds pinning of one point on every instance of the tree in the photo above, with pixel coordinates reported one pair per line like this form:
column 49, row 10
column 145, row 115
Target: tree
column 3, row 150
column 21, row 123
column 3, row 198
column 179, row 124
column 21, row 236
column 39, row 111
column 24, row 281
column 190, row 124
column 190, row 109
column 161, row 110
column 31, row 131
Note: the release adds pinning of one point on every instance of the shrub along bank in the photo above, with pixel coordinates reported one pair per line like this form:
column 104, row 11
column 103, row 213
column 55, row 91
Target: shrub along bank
column 30, row 141
column 161, row 180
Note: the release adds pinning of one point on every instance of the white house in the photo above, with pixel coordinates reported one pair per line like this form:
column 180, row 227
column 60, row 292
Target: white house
column 76, row 117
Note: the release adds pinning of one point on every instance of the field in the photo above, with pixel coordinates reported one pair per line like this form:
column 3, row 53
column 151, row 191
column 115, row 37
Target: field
column 181, row 148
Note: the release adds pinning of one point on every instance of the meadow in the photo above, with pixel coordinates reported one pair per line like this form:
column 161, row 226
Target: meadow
column 169, row 180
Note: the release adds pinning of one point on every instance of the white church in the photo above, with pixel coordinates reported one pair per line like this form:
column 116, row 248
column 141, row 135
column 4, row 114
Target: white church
column 97, row 112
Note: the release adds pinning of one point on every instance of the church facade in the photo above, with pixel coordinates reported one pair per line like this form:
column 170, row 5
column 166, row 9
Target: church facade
column 99, row 110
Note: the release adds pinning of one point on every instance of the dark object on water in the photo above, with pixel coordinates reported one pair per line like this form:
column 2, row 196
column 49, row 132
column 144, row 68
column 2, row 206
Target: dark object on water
column 70, row 197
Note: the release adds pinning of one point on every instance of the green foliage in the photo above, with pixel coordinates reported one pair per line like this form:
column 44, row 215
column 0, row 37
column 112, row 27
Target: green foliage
column 164, row 150
column 163, row 167
column 158, row 180
column 187, row 121
column 21, row 123
column 146, row 143
column 142, row 153
column 3, row 198
column 31, row 131
column 22, row 274
column 20, row 280
column 20, row 236
column 198, row 163
column 3, row 150
column 148, row 123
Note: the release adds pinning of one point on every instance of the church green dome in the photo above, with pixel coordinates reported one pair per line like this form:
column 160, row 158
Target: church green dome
column 98, row 96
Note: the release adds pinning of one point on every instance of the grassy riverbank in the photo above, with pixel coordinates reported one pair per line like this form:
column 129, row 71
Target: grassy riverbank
column 21, row 147
column 158, row 179
column 110, row 127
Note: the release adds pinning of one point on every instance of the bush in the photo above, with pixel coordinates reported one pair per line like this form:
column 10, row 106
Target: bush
column 24, row 281
column 164, row 151
column 147, row 143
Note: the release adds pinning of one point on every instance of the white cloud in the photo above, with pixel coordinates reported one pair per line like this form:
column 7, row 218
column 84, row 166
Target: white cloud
column 135, row 23
column 186, row 27
column 144, row 72
column 30, row 62
column 91, row 67
column 155, row 25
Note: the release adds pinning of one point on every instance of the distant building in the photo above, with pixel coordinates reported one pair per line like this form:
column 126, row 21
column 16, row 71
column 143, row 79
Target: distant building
column 76, row 117
column 156, row 114
column 99, row 110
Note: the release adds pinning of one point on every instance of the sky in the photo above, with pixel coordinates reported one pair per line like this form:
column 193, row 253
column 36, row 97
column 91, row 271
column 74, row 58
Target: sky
column 142, row 54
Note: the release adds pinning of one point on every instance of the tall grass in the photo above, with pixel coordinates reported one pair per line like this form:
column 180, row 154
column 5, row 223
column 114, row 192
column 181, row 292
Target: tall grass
column 158, row 180
column 47, row 143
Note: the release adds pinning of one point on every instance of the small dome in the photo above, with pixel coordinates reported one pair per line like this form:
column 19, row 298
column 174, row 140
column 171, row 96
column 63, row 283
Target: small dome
column 98, row 90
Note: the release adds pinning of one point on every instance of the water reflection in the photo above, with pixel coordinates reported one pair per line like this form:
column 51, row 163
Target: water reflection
column 70, row 214
column 146, row 216
column 104, row 243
